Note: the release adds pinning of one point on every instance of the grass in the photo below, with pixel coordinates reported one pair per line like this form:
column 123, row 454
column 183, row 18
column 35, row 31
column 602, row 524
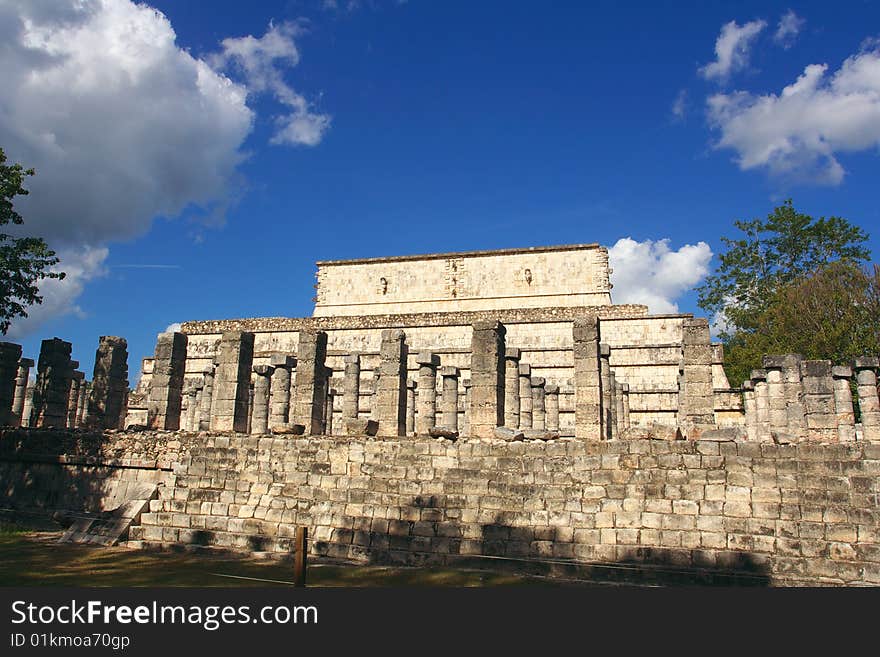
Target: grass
column 29, row 558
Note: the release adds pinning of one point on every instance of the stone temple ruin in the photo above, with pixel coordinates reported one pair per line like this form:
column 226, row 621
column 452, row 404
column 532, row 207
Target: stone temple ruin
column 462, row 405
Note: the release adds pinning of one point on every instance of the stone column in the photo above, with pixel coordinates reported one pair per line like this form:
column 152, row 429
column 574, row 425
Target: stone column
column 607, row 392
column 843, row 403
column 166, row 386
column 794, row 394
column 21, row 384
column 28, row 409
column 619, row 415
column 869, row 405
column 82, row 403
column 762, row 405
column 279, row 414
column 624, row 389
column 587, row 379
column 427, row 415
column 525, row 396
column 374, row 397
column 328, row 413
column 819, row 400
column 487, row 378
column 53, row 384
column 410, row 407
column 391, row 395
column 449, row 400
column 76, row 382
column 696, row 399
column 539, row 414
column 466, row 418
column 105, row 405
column 615, row 406
column 750, row 412
column 511, row 387
column 191, row 416
column 232, row 381
column 551, row 404
column 260, row 416
column 776, row 393
column 308, row 402
column 207, row 399
column 351, row 387
column 10, row 354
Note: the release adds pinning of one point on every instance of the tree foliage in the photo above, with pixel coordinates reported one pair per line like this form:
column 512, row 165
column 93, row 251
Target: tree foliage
column 24, row 261
column 793, row 284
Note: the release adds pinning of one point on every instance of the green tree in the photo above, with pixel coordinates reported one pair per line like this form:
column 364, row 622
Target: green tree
column 790, row 284
column 24, row 261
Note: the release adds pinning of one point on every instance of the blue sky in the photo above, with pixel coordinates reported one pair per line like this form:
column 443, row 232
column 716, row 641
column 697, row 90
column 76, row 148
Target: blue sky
column 194, row 164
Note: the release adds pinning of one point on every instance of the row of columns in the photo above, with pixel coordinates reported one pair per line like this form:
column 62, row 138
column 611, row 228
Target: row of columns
column 811, row 399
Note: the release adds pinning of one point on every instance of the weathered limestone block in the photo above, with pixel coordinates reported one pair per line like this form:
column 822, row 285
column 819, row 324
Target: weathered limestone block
column 28, row 409
column 391, row 396
column 309, row 402
column 525, row 396
column 411, row 407
column 232, row 380
column 361, row 427
column 465, row 424
column 487, row 378
column 539, row 413
column 619, row 419
column 207, row 399
column 615, row 406
column 587, row 379
column 551, row 404
column 105, row 408
column 775, row 393
column 191, row 416
column 449, row 398
column 794, row 393
column 351, row 387
column 750, row 410
column 511, row 387
column 819, row 405
column 76, row 382
column 762, row 405
column 21, row 384
column 279, row 414
column 10, row 354
column 696, row 399
column 624, row 390
column 331, row 400
column 843, row 403
column 427, row 413
column 607, row 392
column 83, row 402
column 52, row 388
column 260, row 414
column 869, row 404
column 374, row 395
column 166, row 386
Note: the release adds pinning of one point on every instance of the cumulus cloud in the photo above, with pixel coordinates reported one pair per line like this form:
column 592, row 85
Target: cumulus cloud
column 732, row 49
column 261, row 62
column 679, row 105
column 798, row 132
column 788, row 28
column 651, row 273
column 59, row 296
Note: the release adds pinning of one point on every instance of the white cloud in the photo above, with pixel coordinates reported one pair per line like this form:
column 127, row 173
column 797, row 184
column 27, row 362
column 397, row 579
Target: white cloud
column 650, row 273
column 261, row 62
column 788, row 28
column 59, row 296
column 798, row 132
column 173, row 328
column 732, row 49
column 679, row 105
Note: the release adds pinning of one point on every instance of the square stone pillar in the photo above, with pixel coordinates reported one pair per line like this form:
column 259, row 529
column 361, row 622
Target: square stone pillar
column 191, row 412
column 619, row 419
column 260, row 413
column 76, row 382
column 696, row 398
column 279, row 413
column 539, row 413
column 391, row 393
column 466, row 416
column 819, row 400
column 411, row 386
column 52, row 388
column 525, row 395
column 869, row 404
column 166, row 386
column 309, row 386
column 207, row 399
column 82, row 403
column 607, row 391
column 794, row 394
column 351, row 387
column 328, row 409
column 551, row 406
column 27, row 413
column 511, row 387
column 776, row 393
column 427, row 412
column 587, row 379
column 487, row 378
column 105, row 407
column 21, row 384
column 10, row 355
column 750, row 410
column 624, row 395
column 762, row 406
column 449, row 399
column 843, row 403
column 232, row 382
